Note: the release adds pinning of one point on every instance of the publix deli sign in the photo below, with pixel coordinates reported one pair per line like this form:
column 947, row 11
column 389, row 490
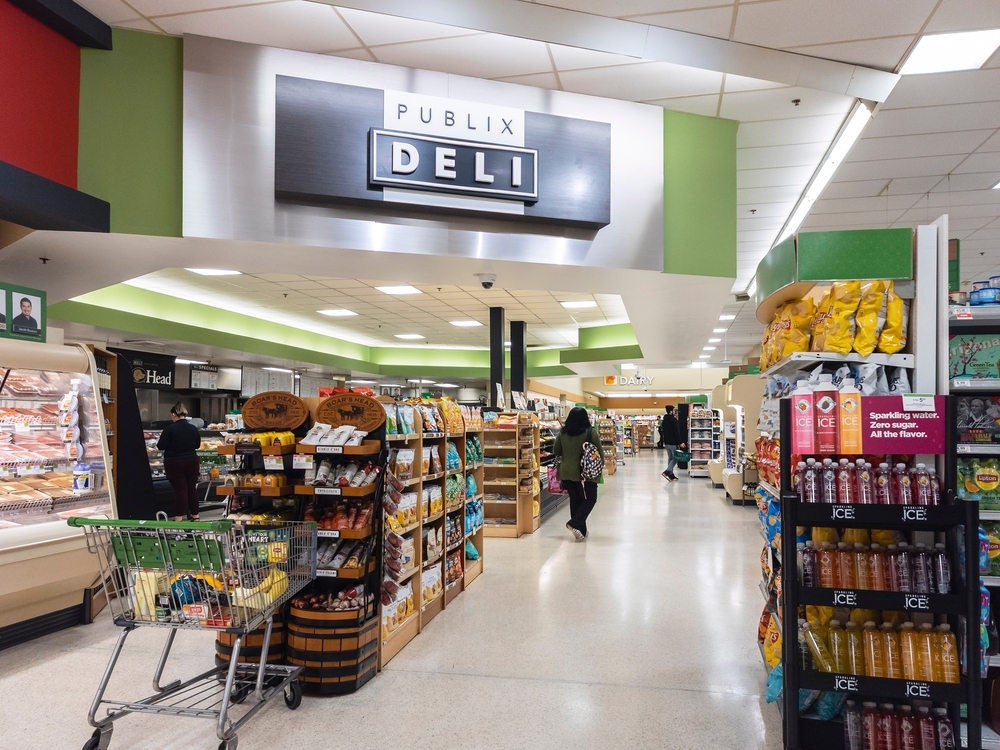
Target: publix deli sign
column 150, row 370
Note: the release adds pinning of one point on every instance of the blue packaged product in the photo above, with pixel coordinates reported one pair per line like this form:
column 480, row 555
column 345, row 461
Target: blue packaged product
column 984, row 551
column 829, row 704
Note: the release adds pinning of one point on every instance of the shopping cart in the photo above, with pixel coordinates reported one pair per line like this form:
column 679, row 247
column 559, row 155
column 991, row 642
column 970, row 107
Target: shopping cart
column 222, row 576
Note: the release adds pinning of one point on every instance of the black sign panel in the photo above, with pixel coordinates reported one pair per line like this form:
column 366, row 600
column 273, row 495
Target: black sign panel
column 323, row 139
column 453, row 166
column 150, row 370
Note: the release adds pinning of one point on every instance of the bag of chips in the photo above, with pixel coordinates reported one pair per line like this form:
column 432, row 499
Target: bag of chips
column 823, row 312
column 772, row 644
column 893, row 336
column 792, row 329
column 870, row 317
column 840, row 324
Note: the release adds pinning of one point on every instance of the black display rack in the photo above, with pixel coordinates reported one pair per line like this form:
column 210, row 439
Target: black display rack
column 800, row 733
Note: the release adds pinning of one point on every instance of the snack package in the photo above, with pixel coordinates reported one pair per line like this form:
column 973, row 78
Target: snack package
column 405, row 422
column 772, row 645
column 823, row 312
column 793, row 330
column 404, row 464
column 870, row 317
column 425, row 461
column 391, row 426
column 840, row 324
column 899, row 380
column 434, row 452
column 893, row 336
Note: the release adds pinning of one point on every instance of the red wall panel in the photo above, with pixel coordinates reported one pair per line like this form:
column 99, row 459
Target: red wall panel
column 39, row 97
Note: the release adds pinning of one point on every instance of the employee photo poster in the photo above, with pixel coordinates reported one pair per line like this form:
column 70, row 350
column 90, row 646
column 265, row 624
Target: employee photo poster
column 24, row 313
column 3, row 313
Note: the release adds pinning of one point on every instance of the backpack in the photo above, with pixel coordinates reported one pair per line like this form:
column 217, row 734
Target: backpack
column 591, row 460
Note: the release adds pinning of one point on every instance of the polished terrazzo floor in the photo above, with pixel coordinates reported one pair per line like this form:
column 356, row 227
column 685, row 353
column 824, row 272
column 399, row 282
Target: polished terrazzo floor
column 644, row 636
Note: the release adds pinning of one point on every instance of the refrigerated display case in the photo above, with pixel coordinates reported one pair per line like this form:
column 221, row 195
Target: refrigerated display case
column 54, row 464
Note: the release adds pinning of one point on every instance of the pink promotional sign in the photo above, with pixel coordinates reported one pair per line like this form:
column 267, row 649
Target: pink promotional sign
column 890, row 424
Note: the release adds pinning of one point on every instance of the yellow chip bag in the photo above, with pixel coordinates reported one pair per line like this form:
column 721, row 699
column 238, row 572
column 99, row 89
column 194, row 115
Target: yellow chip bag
column 822, row 534
column 855, row 536
column 896, row 618
column 839, row 334
column 794, row 323
column 870, row 317
column 861, row 616
column 893, row 336
column 823, row 312
column 772, row 645
column 885, row 537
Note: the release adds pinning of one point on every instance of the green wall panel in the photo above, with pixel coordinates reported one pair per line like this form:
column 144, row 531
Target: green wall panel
column 856, row 254
column 777, row 269
column 699, row 195
column 607, row 354
column 601, row 337
column 131, row 140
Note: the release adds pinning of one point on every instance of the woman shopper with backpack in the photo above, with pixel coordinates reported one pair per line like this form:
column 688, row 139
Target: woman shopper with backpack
column 670, row 435
column 581, row 467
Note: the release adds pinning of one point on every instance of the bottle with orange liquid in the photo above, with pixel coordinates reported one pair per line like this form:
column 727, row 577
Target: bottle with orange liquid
column 946, row 655
column 838, row 647
column 827, row 566
column 846, row 567
column 855, row 649
column 874, row 650
column 862, row 575
column 891, row 652
column 876, row 568
column 925, row 653
column 908, row 650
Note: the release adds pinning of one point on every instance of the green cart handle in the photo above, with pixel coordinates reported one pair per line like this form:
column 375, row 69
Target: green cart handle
column 220, row 526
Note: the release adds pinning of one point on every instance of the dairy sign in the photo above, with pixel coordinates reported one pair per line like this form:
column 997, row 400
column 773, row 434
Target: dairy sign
column 336, row 143
column 628, row 379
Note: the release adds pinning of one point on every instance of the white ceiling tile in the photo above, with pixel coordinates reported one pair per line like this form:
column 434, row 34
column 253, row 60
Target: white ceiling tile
column 929, row 144
column 975, row 116
column 774, row 104
column 618, row 9
column 868, row 188
column 993, row 144
column 768, row 195
column 746, row 222
column 959, row 87
column 480, row 55
column 783, row 132
column 742, row 83
column 539, row 80
column 572, row 58
column 850, row 205
column 985, row 162
column 894, row 168
column 764, row 236
column 882, row 54
column 777, row 209
column 967, row 182
column 378, row 28
column 642, row 81
column 312, row 27
column 965, row 15
column 799, row 155
column 793, row 23
column 777, row 177
column 706, row 105
column 967, row 198
column 360, row 53
column 707, row 21
column 139, row 24
column 109, row 11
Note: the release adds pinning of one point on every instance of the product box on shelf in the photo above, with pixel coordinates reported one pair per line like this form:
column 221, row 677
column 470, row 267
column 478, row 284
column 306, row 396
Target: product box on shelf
column 973, row 356
column 978, row 419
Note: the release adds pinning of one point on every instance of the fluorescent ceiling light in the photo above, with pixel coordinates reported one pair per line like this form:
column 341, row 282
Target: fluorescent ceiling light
column 752, row 289
column 278, row 369
column 189, row 361
column 416, row 380
column 506, row 343
column 410, row 336
column 714, row 341
column 704, row 356
column 708, row 348
column 727, row 317
column 579, row 304
column 363, row 382
column 404, row 289
column 941, row 53
column 838, row 152
column 628, row 366
column 337, row 312
column 214, row 272
column 391, row 385
column 446, row 385
column 719, row 330
column 466, row 323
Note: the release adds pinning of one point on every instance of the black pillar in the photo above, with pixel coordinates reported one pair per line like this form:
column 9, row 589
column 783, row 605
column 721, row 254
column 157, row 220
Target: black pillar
column 518, row 356
column 496, row 354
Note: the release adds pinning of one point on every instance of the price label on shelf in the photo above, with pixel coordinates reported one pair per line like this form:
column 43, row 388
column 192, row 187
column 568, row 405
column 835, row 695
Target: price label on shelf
column 918, row 402
column 963, row 314
column 324, row 573
column 329, row 449
column 247, row 449
column 303, row 461
column 962, row 383
column 326, row 491
column 4, row 472
column 30, row 470
column 22, row 427
column 273, row 463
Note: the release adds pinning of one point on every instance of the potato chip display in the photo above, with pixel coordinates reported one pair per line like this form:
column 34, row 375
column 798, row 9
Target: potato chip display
column 840, row 324
column 870, row 317
column 893, row 336
column 823, row 312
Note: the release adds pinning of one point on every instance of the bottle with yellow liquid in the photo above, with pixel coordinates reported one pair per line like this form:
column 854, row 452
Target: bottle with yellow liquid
column 855, row 649
column 891, row 652
column 821, row 655
column 838, row 647
column 946, row 655
column 925, row 653
column 849, row 412
column 874, row 650
column 908, row 650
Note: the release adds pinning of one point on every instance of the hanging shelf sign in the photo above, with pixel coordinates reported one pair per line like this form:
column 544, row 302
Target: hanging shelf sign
column 275, row 410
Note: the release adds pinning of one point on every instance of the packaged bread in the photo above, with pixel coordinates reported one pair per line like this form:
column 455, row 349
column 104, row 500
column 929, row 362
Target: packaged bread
column 870, row 317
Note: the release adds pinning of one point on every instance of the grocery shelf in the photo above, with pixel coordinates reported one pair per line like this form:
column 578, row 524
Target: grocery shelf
column 345, row 533
column 770, row 488
column 798, row 360
column 308, row 489
column 959, row 315
column 974, row 385
column 989, row 515
column 980, row 449
column 885, row 600
column 991, row 740
column 991, row 581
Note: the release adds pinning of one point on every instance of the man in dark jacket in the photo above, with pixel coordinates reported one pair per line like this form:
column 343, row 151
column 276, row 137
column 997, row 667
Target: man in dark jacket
column 670, row 435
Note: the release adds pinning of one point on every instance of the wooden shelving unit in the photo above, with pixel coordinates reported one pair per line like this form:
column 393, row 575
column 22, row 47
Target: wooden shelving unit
column 606, row 429
column 512, row 483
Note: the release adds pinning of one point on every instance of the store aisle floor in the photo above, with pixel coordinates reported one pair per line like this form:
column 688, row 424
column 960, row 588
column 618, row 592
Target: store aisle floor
column 644, row 636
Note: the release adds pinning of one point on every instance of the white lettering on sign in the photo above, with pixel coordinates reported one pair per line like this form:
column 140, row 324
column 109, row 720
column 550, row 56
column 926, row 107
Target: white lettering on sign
column 481, row 175
column 914, row 513
column 916, row 601
column 918, row 690
column 842, row 512
column 444, row 163
column 843, row 683
column 412, row 161
column 845, row 599
column 631, row 380
column 451, row 118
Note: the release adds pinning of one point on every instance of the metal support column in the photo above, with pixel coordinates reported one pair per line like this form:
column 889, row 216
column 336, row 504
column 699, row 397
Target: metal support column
column 518, row 356
column 496, row 354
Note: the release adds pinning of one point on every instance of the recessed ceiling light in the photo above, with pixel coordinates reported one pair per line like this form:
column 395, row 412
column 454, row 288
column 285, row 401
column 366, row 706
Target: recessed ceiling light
column 410, row 336
column 214, row 272
column 404, row 289
column 466, row 323
column 337, row 312
column 277, row 369
column 708, row 348
column 941, row 53
column 719, row 330
column 363, row 382
column 714, row 341
column 446, row 385
column 579, row 304
column 628, row 366
column 391, row 385
column 417, row 380
column 727, row 317
column 189, row 361
column 704, row 356
column 506, row 343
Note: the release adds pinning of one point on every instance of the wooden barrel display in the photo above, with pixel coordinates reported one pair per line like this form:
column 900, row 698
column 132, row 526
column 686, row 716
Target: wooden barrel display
column 253, row 645
column 338, row 653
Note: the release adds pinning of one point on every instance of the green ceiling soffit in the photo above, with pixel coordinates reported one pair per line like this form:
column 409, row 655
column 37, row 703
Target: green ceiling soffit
column 604, row 343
